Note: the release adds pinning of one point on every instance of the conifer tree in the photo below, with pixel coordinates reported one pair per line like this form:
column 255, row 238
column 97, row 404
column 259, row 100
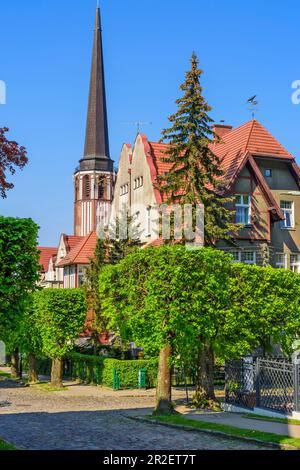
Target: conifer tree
column 195, row 176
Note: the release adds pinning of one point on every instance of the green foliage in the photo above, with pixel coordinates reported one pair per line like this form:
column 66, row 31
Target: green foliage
column 265, row 306
column 99, row 370
column 196, row 176
column 60, row 316
column 192, row 297
column 167, row 294
column 19, row 266
column 91, row 283
column 116, row 242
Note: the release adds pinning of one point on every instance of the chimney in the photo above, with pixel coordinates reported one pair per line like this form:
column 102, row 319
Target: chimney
column 221, row 129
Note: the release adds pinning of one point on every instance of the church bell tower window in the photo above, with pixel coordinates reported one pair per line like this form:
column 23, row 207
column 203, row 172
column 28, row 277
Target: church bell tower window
column 87, row 187
column 101, row 188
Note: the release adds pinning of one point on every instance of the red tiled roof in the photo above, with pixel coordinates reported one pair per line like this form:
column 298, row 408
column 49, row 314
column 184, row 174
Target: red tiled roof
column 46, row 254
column 72, row 241
column 82, row 252
column 237, row 147
column 250, row 138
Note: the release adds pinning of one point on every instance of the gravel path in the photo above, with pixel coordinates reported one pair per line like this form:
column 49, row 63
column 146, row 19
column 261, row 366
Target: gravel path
column 92, row 418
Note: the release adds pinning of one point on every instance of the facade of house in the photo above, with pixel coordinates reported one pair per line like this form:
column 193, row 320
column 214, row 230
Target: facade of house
column 48, row 273
column 261, row 176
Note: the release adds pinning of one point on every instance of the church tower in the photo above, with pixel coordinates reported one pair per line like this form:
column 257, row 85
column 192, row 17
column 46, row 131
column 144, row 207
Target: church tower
column 94, row 178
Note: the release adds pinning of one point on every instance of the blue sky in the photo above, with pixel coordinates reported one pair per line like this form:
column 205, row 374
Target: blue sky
column 244, row 49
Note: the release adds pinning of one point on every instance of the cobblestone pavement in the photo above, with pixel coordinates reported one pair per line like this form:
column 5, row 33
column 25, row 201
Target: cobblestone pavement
column 92, row 418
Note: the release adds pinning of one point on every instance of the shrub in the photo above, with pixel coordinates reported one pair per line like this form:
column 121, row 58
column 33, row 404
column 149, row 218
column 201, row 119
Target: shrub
column 99, row 370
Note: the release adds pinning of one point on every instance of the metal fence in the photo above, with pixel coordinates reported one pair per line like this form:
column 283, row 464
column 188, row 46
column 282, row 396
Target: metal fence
column 271, row 384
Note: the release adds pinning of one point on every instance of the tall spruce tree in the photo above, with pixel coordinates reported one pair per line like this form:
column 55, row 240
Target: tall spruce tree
column 195, row 176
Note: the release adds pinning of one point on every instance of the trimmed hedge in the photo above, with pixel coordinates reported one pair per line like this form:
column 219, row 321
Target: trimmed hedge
column 99, row 370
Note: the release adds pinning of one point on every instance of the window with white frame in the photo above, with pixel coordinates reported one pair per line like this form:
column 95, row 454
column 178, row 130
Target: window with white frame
column 81, row 275
column 281, row 261
column 249, row 257
column 287, row 208
column 148, row 222
column 124, row 189
column 138, row 182
column 243, row 209
column 237, row 256
column 295, row 263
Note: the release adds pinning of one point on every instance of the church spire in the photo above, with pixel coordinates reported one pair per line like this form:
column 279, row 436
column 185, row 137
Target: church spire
column 96, row 150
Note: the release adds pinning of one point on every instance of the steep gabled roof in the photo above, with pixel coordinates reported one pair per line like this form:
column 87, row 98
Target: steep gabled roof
column 250, row 138
column 237, row 147
column 46, row 253
column 82, row 252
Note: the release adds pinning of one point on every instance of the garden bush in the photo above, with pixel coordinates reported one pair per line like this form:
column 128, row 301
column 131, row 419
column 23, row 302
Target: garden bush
column 100, row 370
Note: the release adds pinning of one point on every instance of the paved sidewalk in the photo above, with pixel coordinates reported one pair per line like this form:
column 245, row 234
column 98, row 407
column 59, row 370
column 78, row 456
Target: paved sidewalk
column 239, row 421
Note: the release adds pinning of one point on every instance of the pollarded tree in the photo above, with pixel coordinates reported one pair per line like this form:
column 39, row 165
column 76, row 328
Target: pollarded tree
column 60, row 316
column 30, row 340
column 170, row 301
column 19, row 266
column 265, row 310
column 195, row 175
column 11, row 156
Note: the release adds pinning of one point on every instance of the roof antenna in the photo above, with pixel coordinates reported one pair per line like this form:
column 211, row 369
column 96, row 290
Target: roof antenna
column 138, row 124
column 252, row 102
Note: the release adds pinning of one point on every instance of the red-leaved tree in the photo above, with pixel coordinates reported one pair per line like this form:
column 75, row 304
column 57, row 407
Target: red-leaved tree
column 11, row 156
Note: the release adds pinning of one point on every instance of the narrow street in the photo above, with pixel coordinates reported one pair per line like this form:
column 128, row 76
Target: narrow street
column 93, row 418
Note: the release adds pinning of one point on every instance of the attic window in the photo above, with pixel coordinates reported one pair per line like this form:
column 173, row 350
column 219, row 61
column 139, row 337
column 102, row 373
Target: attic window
column 268, row 173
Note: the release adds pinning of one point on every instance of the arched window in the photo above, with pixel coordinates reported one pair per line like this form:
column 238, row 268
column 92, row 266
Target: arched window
column 101, row 188
column 86, row 186
column 76, row 189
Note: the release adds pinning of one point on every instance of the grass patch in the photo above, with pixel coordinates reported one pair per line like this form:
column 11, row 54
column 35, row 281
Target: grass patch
column 6, row 446
column 46, row 387
column 274, row 420
column 4, row 375
column 230, row 430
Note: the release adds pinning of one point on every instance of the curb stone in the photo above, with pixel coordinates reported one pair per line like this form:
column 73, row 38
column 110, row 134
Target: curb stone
column 272, row 445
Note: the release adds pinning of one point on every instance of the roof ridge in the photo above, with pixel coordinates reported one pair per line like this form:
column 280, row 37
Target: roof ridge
column 249, row 136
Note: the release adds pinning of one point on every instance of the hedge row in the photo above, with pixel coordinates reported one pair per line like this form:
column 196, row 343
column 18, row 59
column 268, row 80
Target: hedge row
column 100, row 370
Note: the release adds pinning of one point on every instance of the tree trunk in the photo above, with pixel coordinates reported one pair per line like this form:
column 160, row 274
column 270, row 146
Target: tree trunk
column 15, row 364
column 56, row 373
column 32, row 369
column 205, row 377
column 163, row 388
